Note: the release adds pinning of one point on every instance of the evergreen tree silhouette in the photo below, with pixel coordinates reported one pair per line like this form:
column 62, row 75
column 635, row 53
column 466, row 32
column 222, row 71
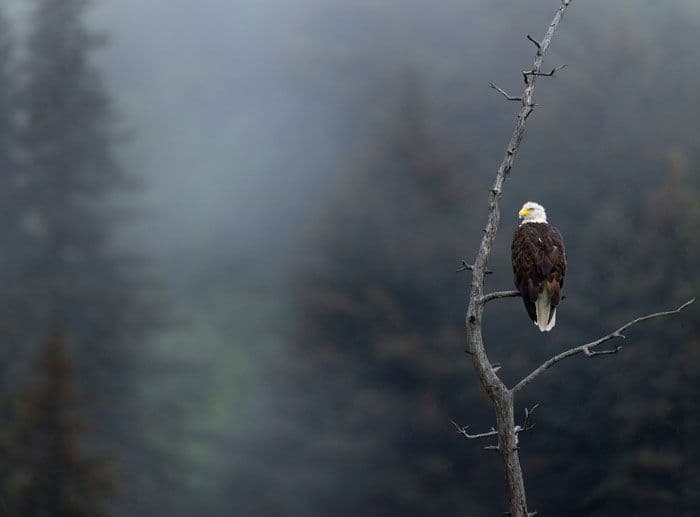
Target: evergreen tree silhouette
column 52, row 475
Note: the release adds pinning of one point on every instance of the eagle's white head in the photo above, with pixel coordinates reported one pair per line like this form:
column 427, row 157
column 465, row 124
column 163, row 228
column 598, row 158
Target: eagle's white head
column 532, row 212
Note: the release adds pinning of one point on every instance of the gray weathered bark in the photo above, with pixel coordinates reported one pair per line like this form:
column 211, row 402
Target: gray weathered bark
column 500, row 396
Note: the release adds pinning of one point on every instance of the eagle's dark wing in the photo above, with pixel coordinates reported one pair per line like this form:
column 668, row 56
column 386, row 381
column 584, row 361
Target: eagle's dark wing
column 554, row 264
column 524, row 254
column 539, row 259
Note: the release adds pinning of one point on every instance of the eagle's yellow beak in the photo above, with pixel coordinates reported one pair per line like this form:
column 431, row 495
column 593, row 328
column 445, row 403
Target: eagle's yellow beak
column 524, row 212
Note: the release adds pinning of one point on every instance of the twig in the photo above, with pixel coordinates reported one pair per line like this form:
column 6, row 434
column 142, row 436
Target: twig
column 602, row 352
column 497, row 295
column 534, row 42
column 469, row 267
column 516, row 430
column 586, row 349
column 492, row 432
column 504, row 93
column 463, row 431
column 526, row 423
column 538, row 73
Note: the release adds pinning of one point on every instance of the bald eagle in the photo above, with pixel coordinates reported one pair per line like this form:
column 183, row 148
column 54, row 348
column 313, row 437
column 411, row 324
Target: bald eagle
column 539, row 265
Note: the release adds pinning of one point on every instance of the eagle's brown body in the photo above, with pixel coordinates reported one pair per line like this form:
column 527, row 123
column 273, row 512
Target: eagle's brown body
column 539, row 264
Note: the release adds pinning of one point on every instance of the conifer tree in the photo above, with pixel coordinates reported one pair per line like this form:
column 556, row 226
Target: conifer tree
column 70, row 177
column 51, row 474
column 74, row 276
column 375, row 363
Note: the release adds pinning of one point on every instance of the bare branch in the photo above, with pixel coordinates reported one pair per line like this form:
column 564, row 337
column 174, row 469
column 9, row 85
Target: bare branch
column 534, row 42
column 586, row 349
column 602, row 352
column 504, row 93
column 492, row 432
column 538, row 73
column 526, row 424
column 464, row 267
column 463, row 431
column 528, row 413
column 497, row 295
column 469, row 267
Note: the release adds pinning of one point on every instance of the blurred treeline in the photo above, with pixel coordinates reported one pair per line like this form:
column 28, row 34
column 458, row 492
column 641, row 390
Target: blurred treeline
column 345, row 363
column 77, row 313
column 375, row 368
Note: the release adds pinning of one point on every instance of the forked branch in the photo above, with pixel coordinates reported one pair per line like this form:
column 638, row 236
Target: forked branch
column 469, row 267
column 538, row 73
column 463, row 431
column 493, row 432
column 587, row 349
column 526, row 423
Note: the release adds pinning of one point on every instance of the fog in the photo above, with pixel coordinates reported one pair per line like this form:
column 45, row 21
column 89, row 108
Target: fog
column 289, row 258
column 204, row 93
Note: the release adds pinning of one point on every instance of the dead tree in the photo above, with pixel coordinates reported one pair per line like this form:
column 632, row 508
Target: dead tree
column 501, row 396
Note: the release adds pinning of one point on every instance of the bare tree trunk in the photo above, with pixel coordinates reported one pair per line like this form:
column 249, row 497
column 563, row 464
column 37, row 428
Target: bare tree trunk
column 500, row 396
column 502, row 401
column 508, row 447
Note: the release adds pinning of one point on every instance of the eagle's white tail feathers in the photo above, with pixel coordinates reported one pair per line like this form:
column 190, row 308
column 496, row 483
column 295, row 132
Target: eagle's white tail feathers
column 553, row 321
column 542, row 307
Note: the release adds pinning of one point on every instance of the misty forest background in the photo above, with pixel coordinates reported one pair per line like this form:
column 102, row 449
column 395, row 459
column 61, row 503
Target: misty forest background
column 228, row 241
